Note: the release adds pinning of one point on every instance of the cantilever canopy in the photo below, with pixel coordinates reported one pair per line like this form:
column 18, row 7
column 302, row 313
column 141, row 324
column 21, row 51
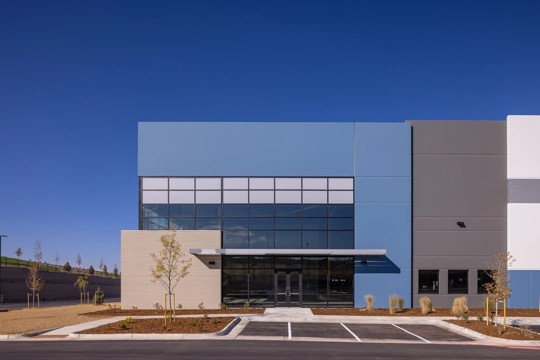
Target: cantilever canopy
column 290, row 252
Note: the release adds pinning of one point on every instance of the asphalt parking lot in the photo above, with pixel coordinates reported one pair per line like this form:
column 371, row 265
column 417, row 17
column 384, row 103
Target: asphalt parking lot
column 358, row 332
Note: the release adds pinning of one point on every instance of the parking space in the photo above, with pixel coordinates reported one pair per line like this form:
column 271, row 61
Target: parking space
column 329, row 331
column 434, row 333
column 352, row 332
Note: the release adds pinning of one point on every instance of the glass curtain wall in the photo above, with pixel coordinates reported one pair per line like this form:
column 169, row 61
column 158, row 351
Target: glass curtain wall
column 326, row 281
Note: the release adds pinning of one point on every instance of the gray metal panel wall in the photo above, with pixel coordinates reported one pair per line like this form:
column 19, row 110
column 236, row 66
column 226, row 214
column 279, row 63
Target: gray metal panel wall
column 459, row 174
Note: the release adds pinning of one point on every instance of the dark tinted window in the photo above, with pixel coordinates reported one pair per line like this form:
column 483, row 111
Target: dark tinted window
column 341, row 223
column 235, row 210
column 209, row 210
column 288, row 240
column 341, row 210
column 340, row 240
column 261, row 223
column 288, row 210
column 458, row 282
column 235, row 239
column 261, row 239
column 208, row 224
column 182, row 210
column 314, row 240
column 182, row 223
column 428, row 281
column 288, row 223
column 483, row 279
column 235, row 223
column 155, row 223
column 261, row 210
column 315, row 210
column 155, row 210
column 314, row 223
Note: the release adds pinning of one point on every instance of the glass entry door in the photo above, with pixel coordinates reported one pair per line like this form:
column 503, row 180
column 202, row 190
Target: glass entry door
column 288, row 288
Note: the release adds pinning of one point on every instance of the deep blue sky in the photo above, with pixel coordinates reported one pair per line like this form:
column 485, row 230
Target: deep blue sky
column 77, row 76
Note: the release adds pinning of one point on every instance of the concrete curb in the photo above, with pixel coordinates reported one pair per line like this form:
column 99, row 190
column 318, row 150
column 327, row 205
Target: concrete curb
column 28, row 335
column 476, row 335
column 223, row 332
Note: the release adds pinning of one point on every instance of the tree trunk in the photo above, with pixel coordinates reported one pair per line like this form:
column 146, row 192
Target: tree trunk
column 496, row 311
column 170, row 308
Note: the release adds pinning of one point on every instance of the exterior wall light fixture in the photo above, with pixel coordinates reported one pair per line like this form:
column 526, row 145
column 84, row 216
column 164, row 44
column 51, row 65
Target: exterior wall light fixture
column 461, row 224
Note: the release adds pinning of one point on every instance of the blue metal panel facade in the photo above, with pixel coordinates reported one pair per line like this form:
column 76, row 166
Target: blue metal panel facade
column 525, row 287
column 383, row 211
column 246, row 149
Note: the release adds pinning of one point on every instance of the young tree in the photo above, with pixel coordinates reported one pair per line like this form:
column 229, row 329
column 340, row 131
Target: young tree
column 34, row 282
column 115, row 271
column 38, row 255
column 18, row 252
column 79, row 262
column 101, row 264
column 105, row 270
column 91, row 270
column 56, row 259
column 67, row 267
column 169, row 267
column 82, row 283
column 498, row 289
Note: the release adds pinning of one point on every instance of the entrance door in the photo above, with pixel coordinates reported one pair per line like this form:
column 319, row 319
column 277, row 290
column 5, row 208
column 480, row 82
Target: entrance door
column 287, row 288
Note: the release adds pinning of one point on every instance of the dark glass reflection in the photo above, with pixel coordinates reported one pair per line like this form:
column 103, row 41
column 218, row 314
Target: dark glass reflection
column 340, row 240
column 314, row 240
column 261, row 223
column 314, row 210
column 182, row 223
column 288, row 240
column 235, row 210
column 288, row 223
column 261, row 239
column 428, row 281
column 235, row 239
column 288, row 210
column 155, row 223
column 288, row 262
column 483, row 279
column 208, row 210
column 314, row 223
column 261, row 210
column 341, row 223
column 208, row 224
column 182, row 210
column 155, row 210
column 235, row 223
column 458, row 281
column 340, row 210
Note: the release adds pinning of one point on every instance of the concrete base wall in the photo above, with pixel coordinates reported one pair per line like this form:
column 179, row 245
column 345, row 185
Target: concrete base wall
column 58, row 286
column 202, row 284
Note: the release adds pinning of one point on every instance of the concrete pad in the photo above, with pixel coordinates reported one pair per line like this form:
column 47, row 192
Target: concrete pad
column 433, row 333
column 318, row 330
column 380, row 332
column 266, row 329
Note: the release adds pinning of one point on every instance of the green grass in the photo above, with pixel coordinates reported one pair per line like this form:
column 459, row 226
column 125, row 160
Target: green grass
column 7, row 261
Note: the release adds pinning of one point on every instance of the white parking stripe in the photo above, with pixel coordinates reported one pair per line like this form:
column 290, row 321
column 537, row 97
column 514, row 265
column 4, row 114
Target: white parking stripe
column 353, row 334
column 290, row 336
column 421, row 338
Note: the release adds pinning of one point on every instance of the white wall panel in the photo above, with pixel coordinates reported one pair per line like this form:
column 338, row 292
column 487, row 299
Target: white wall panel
column 155, row 183
column 208, row 183
column 340, row 197
column 181, row 183
column 155, row 197
column 235, row 183
column 288, row 197
column 315, row 197
column 315, row 183
column 288, row 183
column 181, row 197
column 235, row 197
column 523, row 147
column 208, row 197
column 524, row 235
column 261, row 183
column 340, row 184
column 261, row 197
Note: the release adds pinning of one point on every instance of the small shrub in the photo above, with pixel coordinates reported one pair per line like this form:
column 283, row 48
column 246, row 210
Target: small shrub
column 459, row 307
column 222, row 306
column 465, row 317
column 179, row 306
column 99, row 296
column 426, row 304
column 393, row 303
column 369, row 301
column 122, row 325
column 401, row 303
column 201, row 305
column 91, row 270
column 128, row 320
column 480, row 318
column 192, row 322
column 158, row 306
column 134, row 308
column 246, row 305
column 206, row 316
column 112, row 307
column 500, row 329
column 525, row 329
column 214, row 321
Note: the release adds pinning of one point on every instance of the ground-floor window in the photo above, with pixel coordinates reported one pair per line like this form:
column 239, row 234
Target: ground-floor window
column 428, row 281
column 458, row 281
column 268, row 281
column 483, row 279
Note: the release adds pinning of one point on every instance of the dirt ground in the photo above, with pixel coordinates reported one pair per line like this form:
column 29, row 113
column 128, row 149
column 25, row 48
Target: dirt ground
column 199, row 325
column 141, row 312
column 417, row 312
column 509, row 333
column 31, row 320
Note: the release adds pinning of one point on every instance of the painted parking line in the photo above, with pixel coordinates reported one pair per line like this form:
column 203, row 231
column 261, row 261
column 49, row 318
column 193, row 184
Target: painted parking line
column 353, row 334
column 408, row 332
column 290, row 333
column 433, row 333
column 379, row 332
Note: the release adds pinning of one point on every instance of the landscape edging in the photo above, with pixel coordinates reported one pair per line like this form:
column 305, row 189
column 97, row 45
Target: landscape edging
column 480, row 336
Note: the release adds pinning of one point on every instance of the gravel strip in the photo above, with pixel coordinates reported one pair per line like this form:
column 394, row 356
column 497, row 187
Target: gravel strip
column 31, row 320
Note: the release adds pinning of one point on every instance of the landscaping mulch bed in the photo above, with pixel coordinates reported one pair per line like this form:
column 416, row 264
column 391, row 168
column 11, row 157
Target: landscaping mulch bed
column 418, row 312
column 509, row 333
column 156, row 326
column 137, row 312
